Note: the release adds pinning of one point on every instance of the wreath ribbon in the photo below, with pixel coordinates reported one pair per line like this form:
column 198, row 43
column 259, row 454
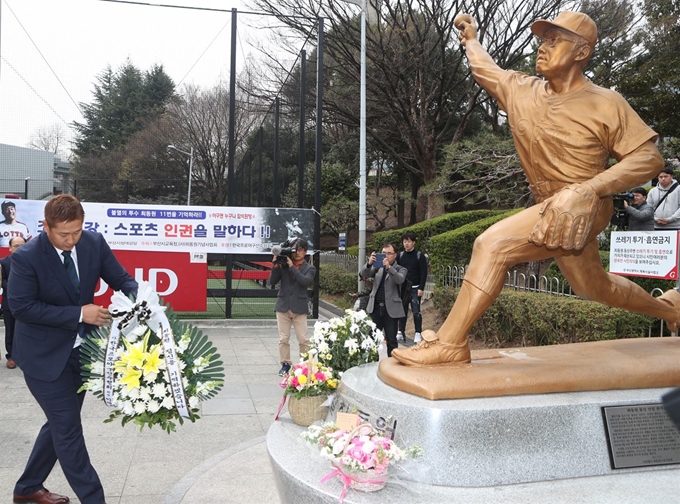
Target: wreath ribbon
column 132, row 314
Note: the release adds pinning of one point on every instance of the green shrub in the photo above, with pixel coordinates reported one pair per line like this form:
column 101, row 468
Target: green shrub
column 353, row 250
column 335, row 280
column 455, row 247
column 427, row 229
column 531, row 319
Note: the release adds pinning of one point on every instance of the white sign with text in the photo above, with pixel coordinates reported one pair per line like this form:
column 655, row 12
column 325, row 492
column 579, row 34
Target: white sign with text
column 652, row 254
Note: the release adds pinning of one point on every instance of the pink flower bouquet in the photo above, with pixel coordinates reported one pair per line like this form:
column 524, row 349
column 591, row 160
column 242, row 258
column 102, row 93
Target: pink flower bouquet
column 360, row 457
column 309, row 379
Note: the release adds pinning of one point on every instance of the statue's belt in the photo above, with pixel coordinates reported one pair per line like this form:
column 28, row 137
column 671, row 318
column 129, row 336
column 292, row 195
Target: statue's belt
column 543, row 189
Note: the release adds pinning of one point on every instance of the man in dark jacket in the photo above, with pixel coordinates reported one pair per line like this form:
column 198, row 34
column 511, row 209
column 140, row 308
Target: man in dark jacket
column 295, row 276
column 640, row 213
column 6, row 265
column 415, row 263
column 51, row 295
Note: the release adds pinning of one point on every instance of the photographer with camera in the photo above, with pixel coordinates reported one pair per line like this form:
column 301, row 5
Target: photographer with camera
column 384, row 303
column 295, row 274
column 640, row 213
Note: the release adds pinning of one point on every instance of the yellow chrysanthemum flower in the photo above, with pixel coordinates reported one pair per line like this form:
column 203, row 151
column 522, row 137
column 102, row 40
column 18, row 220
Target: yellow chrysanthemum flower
column 302, row 379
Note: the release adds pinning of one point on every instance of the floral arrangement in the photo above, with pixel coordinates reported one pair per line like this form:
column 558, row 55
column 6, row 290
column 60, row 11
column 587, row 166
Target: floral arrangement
column 309, row 379
column 149, row 366
column 359, row 456
column 344, row 342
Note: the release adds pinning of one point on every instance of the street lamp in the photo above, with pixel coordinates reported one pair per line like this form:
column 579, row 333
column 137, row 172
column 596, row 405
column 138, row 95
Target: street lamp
column 191, row 167
column 362, row 144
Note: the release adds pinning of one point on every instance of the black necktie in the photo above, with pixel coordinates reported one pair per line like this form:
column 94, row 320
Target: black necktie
column 71, row 271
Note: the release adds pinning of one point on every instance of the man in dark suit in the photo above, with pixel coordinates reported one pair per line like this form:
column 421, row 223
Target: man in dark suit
column 384, row 303
column 53, row 281
column 5, row 266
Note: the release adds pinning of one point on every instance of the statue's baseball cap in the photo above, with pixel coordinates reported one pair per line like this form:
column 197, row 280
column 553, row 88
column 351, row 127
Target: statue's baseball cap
column 574, row 22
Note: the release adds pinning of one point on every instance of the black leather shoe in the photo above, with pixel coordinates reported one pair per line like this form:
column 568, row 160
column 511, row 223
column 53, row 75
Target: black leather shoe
column 42, row 496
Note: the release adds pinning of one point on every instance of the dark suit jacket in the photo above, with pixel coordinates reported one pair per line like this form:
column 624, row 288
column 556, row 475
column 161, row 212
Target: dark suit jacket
column 396, row 275
column 44, row 304
column 293, row 292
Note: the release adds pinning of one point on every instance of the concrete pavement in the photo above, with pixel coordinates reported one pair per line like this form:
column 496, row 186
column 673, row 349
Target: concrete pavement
column 221, row 458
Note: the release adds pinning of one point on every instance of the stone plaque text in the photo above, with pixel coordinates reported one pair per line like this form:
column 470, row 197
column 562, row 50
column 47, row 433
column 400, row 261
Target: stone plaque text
column 641, row 435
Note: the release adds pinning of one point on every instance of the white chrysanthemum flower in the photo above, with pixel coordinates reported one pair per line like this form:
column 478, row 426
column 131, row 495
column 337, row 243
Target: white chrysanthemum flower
column 168, row 402
column 98, row 367
column 153, row 406
column 145, row 394
column 128, row 408
column 159, row 390
column 140, row 407
column 193, row 402
column 132, row 393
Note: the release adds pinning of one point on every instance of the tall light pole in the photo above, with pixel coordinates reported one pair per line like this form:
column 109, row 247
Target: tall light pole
column 191, row 167
column 362, row 144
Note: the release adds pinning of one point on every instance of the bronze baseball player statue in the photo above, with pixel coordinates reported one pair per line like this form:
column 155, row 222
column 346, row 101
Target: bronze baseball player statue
column 565, row 129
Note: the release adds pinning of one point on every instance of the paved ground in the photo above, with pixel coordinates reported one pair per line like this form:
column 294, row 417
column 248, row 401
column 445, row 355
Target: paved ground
column 221, row 458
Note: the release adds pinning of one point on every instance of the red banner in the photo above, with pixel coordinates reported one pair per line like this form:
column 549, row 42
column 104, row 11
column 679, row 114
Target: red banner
column 176, row 279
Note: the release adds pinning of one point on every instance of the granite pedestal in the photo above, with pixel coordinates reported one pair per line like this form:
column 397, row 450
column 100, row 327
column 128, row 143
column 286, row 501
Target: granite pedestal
column 507, row 449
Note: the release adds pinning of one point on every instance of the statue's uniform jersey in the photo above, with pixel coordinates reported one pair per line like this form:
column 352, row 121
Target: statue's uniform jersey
column 566, row 138
column 9, row 231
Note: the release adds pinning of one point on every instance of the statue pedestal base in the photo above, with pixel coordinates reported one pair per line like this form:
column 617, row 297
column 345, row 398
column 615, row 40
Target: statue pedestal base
column 598, row 365
column 514, row 449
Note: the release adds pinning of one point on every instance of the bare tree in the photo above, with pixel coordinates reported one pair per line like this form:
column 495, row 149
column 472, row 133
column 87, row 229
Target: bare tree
column 52, row 138
column 202, row 120
column 420, row 96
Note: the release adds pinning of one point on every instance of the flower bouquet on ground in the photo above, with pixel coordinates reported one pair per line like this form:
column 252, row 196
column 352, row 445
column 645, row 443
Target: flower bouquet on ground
column 344, row 342
column 149, row 366
column 360, row 457
column 308, row 384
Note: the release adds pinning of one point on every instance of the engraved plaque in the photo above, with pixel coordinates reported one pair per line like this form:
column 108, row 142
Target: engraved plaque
column 641, row 435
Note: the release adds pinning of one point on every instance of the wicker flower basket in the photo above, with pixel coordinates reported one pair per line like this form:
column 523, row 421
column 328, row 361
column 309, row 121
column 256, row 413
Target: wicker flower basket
column 369, row 481
column 307, row 410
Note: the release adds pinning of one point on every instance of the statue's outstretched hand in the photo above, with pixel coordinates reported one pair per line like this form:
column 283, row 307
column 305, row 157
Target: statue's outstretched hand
column 566, row 218
column 466, row 25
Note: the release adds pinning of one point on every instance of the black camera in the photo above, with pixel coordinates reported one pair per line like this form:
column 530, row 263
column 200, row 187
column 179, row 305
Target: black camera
column 620, row 218
column 620, row 198
column 283, row 252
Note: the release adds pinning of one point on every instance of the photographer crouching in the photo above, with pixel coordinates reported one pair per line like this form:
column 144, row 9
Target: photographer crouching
column 296, row 274
column 640, row 213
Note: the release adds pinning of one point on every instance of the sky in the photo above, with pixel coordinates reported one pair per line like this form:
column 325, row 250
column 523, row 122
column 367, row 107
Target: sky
column 54, row 59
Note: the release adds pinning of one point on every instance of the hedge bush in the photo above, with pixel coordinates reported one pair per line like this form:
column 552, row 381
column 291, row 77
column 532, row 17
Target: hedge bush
column 429, row 228
column 335, row 280
column 455, row 247
column 532, row 319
